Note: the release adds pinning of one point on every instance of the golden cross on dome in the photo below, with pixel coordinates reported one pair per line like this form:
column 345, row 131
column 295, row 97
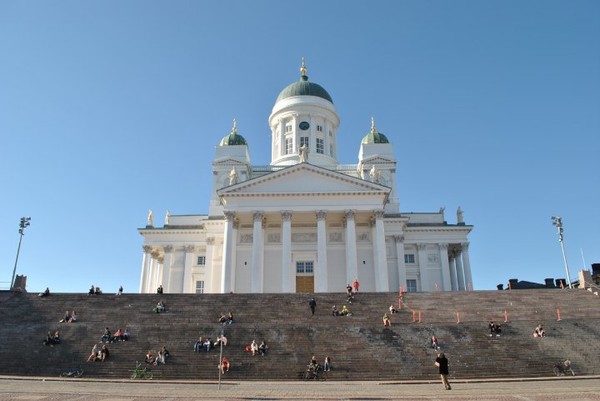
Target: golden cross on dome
column 234, row 129
column 373, row 130
column 303, row 68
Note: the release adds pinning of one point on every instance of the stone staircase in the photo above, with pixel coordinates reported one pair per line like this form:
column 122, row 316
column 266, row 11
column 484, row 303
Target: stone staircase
column 359, row 346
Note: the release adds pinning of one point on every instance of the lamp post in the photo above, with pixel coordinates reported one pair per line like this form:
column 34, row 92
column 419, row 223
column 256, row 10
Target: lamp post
column 557, row 222
column 22, row 226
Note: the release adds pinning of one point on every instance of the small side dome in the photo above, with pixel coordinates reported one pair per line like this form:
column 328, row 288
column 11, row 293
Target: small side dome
column 374, row 136
column 304, row 88
column 233, row 138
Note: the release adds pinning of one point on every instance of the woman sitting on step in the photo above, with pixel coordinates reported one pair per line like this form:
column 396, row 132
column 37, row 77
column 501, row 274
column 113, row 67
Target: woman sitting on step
column 539, row 331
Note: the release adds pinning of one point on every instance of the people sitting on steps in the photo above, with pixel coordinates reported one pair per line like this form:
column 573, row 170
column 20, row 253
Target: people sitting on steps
column 386, row 320
column 103, row 353
column 224, row 365
column 253, row 347
column 434, row 343
column 539, row 331
column 159, row 290
column 221, row 340
column 149, row 359
column 94, row 354
column 160, row 307
column 263, row 348
column 393, row 309
column 335, row 311
column 107, row 336
column 198, row 345
column 345, row 311
column 495, row 329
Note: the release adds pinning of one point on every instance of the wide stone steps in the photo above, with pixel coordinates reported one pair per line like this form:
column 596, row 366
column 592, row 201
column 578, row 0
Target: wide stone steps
column 359, row 346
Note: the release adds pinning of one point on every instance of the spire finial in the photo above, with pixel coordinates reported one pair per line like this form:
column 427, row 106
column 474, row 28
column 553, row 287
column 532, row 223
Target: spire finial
column 234, row 129
column 373, row 130
column 303, row 68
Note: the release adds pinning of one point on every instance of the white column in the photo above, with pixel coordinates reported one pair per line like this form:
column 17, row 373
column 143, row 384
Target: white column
column 234, row 243
column 321, row 284
column 453, row 282
column 381, row 268
column 208, row 266
column 399, row 240
column 351, row 256
column 159, row 271
column 425, row 285
column 227, row 254
column 257, row 253
column 145, row 267
column 154, row 269
column 467, row 266
column 446, row 283
column 460, row 273
column 166, row 270
column 188, row 286
column 286, row 252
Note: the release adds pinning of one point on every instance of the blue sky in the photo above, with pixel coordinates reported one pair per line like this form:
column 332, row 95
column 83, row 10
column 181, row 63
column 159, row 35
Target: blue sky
column 109, row 108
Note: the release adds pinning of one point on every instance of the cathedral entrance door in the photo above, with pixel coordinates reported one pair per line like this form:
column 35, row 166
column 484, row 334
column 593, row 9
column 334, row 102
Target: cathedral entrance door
column 305, row 282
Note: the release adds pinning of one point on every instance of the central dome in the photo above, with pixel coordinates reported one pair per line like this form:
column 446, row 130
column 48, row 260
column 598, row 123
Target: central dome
column 304, row 88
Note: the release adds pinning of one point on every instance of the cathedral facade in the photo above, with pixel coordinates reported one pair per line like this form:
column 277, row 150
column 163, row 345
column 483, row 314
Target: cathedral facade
column 304, row 222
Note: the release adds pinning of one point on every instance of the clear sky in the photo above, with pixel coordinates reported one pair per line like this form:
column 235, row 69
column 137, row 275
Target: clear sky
column 110, row 108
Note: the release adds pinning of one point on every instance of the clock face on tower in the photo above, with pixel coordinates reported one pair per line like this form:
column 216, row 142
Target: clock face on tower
column 304, row 126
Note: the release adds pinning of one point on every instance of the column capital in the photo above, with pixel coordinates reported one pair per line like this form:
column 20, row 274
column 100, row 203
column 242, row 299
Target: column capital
column 168, row 248
column 210, row 240
column 258, row 216
column 161, row 259
column 147, row 249
column 189, row 248
column 465, row 246
column 443, row 247
column 321, row 215
column 229, row 216
column 398, row 238
column 422, row 247
column 378, row 214
column 349, row 214
column 286, row 215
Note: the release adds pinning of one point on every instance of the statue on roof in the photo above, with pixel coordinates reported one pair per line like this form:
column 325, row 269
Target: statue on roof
column 233, row 176
column 167, row 217
column 374, row 174
column 303, row 153
column 150, row 219
column 360, row 169
column 459, row 216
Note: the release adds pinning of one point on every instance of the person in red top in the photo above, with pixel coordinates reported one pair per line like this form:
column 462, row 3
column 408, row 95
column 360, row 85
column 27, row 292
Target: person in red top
column 224, row 365
column 355, row 284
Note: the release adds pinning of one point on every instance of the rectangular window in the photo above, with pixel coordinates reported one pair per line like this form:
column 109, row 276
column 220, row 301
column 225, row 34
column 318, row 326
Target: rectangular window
column 304, row 267
column 288, row 128
column 304, row 141
column 411, row 285
column 201, row 260
column 409, row 258
column 289, row 146
column 200, row 287
column 320, row 146
column 319, row 128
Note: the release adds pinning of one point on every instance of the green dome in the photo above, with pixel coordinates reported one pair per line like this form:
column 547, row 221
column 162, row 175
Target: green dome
column 233, row 138
column 304, row 88
column 374, row 136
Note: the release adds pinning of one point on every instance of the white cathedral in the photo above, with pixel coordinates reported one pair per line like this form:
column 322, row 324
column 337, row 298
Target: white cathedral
column 304, row 222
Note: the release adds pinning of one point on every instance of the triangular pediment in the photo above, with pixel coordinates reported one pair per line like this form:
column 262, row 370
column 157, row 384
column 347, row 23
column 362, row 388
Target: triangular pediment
column 377, row 160
column 304, row 178
column 228, row 161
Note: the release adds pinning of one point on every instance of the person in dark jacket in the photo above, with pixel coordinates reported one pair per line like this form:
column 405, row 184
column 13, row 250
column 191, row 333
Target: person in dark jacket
column 442, row 363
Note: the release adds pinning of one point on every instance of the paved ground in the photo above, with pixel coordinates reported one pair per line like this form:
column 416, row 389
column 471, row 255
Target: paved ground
column 570, row 389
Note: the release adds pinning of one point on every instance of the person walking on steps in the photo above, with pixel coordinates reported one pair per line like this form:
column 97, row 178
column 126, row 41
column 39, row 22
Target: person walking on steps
column 442, row 363
column 313, row 305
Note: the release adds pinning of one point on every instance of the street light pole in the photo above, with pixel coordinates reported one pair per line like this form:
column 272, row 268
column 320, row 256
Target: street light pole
column 557, row 222
column 25, row 221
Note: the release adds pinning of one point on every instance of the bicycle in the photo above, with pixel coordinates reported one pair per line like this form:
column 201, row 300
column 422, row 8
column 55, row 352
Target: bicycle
column 563, row 368
column 73, row 372
column 312, row 372
column 141, row 373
